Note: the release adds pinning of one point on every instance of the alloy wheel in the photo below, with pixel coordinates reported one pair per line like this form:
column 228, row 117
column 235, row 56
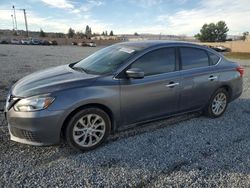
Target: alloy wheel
column 219, row 103
column 89, row 130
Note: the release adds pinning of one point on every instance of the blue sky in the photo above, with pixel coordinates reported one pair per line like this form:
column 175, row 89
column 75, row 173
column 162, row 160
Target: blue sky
column 180, row 17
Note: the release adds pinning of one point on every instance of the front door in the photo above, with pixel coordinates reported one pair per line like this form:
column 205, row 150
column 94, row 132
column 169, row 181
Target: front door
column 155, row 95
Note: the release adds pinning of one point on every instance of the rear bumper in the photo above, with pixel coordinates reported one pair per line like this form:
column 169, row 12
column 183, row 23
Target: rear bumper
column 35, row 128
column 237, row 89
column 235, row 96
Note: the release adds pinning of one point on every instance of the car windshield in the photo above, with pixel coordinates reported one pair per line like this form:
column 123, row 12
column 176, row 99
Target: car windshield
column 106, row 60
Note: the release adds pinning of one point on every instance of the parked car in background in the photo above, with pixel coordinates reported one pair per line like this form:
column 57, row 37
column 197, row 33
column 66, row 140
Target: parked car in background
column 91, row 44
column 15, row 41
column 53, row 42
column 4, row 41
column 221, row 49
column 74, row 43
column 118, row 87
column 82, row 44
column 26, row 41
column 45, row 42
column 35, row 41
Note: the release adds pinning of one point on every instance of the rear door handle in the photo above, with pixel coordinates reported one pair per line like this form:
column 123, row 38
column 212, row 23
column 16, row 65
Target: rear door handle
column 212, row 78
column 172, row 84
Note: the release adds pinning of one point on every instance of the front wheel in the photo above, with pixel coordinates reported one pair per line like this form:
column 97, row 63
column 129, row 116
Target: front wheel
column 218, row 103
column 88, row 129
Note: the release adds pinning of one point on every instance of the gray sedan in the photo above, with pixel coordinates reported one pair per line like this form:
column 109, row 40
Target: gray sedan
column 118, row 87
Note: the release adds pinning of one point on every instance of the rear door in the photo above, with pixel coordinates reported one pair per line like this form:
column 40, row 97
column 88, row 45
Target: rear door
column 198, row 78
column 156, row 94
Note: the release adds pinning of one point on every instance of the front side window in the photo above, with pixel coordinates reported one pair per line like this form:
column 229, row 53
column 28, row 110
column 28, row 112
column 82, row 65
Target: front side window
column 156, row 62
column 193, row 58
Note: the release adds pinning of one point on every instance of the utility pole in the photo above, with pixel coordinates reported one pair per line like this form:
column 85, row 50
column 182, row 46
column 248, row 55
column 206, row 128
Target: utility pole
column 15, row 16
column 13, row 22
column 26, row 24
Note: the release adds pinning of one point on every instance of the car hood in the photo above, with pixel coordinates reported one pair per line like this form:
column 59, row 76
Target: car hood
column 51, row 80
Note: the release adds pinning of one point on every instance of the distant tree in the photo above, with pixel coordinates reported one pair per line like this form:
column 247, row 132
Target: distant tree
column 111, row 33
column 106, row 33
column 14, row 33
column 71, row 33
column 244, row 35
column 96, row 34
column 59, row 35
column 213, row 32
column 207, row 33
column 42, row 33
column 222, row 30
column 136, row 34
column 88, row 32
column 80, row 34
column 103, row 33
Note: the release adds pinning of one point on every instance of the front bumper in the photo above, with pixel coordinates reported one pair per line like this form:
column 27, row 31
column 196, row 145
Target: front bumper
column 35, row 128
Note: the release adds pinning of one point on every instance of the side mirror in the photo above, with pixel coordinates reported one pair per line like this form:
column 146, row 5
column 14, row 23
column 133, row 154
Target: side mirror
column 135, row 73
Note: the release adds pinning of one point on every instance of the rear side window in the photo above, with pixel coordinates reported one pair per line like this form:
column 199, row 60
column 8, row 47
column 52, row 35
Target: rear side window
column 156, row 62
column 213, row 58
column 193, row 58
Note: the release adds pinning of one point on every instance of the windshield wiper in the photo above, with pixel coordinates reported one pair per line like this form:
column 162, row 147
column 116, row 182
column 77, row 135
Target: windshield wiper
column 80, row 69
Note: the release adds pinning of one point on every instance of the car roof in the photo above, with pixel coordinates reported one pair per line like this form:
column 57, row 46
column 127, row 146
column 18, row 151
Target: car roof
column 151, row 43
column 159, row 43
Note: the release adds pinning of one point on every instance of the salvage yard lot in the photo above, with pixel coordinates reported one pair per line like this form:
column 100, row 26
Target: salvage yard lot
column 189, row 150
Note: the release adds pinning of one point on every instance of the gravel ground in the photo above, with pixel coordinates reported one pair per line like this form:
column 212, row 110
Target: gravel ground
column 189, row 150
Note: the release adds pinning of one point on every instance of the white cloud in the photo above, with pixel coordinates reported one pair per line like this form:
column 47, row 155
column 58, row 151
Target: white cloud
column 146, row 3
column 181, row 21
column 76, row 11
column 64, row 4
column 236, row 14
column 90, row 4
column 75, row 7
column 54, row 24
column 50, row 24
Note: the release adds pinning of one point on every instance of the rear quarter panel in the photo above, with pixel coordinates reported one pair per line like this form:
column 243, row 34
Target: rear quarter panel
column 229, row 76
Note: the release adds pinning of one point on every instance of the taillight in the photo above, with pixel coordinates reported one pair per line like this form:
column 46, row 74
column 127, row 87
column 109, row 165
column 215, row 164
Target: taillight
column 240, row 69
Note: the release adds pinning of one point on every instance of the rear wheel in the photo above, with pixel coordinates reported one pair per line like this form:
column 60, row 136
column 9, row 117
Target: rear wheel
column 218, row 103
column 88, row 129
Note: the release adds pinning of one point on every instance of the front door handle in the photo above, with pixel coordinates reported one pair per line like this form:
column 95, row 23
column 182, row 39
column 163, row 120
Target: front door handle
column 212, row 78
column 172, row 84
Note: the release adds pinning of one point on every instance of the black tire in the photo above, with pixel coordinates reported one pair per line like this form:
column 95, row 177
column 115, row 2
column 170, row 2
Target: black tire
column 70, row 133
column 209, row 110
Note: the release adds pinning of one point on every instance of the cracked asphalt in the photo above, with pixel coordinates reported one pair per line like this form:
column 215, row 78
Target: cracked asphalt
column 185, row 151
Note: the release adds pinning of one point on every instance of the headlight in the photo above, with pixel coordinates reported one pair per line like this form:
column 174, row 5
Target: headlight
column 33, row 104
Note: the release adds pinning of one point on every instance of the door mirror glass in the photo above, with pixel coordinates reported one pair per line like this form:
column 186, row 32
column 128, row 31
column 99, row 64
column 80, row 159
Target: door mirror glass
column 135, row 73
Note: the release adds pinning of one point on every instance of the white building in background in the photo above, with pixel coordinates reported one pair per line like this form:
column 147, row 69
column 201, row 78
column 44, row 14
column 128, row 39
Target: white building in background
column 248, row 38
column 101, row 37
column 158, row 37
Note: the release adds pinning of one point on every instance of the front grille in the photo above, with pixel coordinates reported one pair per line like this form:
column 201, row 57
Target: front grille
column 16, row 132
column 24, row 134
